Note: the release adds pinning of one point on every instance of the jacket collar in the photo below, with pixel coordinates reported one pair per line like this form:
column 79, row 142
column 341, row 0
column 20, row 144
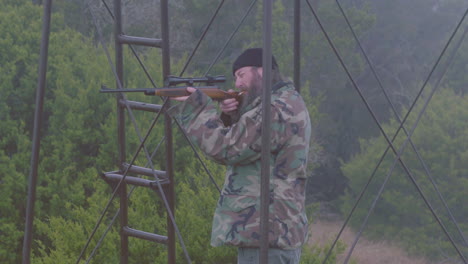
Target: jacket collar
column 258, row 100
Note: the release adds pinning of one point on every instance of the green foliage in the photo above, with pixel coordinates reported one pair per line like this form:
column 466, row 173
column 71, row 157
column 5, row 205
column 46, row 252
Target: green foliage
column 315, row 255
column 401, row 213
column 342, row 115
column 79, row 134
column 79, row 143
column 343, row 109
column 456, row 76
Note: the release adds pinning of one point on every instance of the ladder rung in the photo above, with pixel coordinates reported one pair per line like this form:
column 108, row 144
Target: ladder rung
column 144, row 235
column 141, row 106
column 115, row 177
column 143, row 171
column 151, row 42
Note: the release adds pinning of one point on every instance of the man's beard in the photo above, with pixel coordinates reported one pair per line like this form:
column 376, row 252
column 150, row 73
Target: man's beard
column 254, row 91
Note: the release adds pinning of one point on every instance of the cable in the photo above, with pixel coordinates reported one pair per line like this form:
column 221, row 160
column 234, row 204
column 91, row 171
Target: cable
column 381, row 159
column 209, row 68
column 134, row 157
column 101, row 239
column 197, row 155
column 436, row 86
column 380, row 126
column 230, row 37
column 183, row 132
column 390, row 144
column 132, row 49
column 160, row 189
column 201, row 38
column 398, row 117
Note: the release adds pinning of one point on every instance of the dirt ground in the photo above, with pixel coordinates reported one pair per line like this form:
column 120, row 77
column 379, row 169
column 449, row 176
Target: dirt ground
column 365, row 252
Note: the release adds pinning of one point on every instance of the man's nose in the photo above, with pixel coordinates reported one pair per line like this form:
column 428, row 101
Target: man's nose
column 238, row 84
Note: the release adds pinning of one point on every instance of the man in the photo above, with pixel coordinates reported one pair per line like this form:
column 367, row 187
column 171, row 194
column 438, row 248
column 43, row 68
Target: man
column 234, row 139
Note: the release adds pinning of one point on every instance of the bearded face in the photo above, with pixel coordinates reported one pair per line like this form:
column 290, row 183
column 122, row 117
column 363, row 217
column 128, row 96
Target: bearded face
column 249, row 79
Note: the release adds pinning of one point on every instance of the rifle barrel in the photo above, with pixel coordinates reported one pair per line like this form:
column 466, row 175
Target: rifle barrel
column 212, row 91
column 108, row 90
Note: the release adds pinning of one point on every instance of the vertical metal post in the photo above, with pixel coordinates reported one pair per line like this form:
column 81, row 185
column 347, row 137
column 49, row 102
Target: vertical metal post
column 42, row 72
column 297, row 45
column 266, row 100
column 169, row 192
column 121, row 130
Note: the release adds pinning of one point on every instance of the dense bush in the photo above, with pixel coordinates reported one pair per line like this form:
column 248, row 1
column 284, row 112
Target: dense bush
column 401, row 214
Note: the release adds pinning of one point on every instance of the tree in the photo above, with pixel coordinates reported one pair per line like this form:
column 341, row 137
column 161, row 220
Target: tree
column 400, row 213
column 79, row 143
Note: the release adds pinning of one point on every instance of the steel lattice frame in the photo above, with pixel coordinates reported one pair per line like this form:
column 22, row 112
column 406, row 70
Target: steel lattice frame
column 267, row 19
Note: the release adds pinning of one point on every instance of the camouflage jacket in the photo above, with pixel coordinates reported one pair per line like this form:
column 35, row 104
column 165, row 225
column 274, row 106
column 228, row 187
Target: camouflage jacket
column 238, row 146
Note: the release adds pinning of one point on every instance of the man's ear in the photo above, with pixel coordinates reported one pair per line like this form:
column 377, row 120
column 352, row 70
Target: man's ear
column 260, row 71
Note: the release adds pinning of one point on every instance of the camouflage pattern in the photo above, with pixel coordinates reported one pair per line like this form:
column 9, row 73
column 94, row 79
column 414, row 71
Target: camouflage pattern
column 238, row 146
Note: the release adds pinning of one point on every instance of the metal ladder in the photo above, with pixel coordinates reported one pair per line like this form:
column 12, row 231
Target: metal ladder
column 163, row 178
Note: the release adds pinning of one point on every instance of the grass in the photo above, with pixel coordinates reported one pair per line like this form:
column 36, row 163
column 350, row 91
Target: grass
column 366, row 251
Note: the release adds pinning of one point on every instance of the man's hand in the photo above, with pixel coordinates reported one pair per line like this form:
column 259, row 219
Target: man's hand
column 183, row 98
column 228, row 106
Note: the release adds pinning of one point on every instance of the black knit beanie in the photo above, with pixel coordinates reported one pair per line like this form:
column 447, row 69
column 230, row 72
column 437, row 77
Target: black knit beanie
column 251, row 57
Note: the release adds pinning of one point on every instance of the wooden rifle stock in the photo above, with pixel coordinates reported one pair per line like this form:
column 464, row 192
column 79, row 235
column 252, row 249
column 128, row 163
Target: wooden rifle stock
column 212, row 91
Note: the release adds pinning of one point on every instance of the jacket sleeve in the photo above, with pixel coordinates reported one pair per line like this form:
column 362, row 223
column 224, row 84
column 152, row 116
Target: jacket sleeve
column 239, row 143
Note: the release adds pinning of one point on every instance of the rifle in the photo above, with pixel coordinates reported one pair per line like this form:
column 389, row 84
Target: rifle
column 212, row 91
